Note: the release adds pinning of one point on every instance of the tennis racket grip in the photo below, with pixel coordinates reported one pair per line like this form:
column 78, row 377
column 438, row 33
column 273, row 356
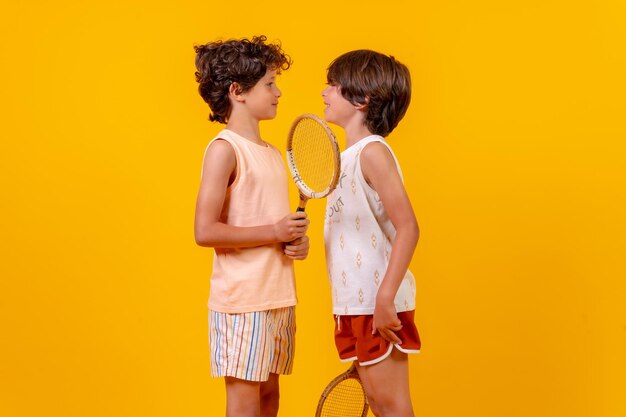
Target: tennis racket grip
column 301, row 206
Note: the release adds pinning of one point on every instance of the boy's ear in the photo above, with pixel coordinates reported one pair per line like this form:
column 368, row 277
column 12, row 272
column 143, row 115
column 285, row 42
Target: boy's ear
column 363, row 106
column 234, row 91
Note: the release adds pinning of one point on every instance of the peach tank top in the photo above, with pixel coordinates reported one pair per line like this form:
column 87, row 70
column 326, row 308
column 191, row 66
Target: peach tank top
column 259, row 278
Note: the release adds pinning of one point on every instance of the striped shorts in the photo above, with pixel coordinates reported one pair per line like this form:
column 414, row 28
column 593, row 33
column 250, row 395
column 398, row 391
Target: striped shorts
column 250, row 346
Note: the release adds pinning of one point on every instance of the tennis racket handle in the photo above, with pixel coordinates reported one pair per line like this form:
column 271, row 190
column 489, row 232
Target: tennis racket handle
column 302, row 203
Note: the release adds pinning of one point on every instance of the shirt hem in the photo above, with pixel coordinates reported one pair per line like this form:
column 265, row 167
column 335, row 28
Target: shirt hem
column 248, row 309
column 367, row 311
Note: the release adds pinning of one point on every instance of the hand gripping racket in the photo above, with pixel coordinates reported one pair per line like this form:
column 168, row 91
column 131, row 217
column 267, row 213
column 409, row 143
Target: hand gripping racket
column 343, row 397
column 313, row 158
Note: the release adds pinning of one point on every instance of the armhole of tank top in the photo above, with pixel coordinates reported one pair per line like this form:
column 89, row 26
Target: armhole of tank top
column 359, row 170
column 237, row 158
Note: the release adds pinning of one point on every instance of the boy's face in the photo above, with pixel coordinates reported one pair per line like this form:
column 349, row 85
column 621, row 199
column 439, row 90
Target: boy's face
column 262, row 99
column 338, row 110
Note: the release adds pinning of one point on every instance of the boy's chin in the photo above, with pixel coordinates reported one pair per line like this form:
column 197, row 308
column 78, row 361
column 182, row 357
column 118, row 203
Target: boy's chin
column 331, row 119
column 269, row 116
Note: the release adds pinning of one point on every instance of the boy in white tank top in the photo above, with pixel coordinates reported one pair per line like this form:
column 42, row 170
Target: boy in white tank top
column 243, row 212
column 370, row 229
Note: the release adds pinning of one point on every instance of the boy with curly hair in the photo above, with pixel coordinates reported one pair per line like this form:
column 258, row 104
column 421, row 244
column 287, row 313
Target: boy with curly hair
column 243, row 212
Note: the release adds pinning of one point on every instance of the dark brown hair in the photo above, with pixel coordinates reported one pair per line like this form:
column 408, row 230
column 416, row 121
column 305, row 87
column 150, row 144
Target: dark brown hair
column 377, row 81
column 241, row 61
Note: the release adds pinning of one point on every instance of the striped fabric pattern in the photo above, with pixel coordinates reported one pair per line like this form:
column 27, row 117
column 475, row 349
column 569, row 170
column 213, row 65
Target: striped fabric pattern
column 250, row 346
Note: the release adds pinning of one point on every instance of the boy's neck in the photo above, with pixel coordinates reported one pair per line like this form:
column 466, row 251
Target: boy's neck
column 247, row 129
column 355, row 132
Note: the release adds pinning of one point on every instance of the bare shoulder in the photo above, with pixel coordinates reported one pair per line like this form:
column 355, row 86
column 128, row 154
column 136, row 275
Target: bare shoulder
column 220, row 150
column 220, row 159
column 376, row 155
column 220, row 147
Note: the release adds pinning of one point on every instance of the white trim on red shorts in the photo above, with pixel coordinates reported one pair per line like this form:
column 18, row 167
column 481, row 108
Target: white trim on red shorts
column 383, row 357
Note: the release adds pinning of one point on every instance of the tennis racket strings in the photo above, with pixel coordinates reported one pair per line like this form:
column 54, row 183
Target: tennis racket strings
column 313, row 156
column 346, row 399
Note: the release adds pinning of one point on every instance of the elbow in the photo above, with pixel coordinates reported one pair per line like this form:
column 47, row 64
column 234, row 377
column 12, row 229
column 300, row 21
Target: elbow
column 202, row 241
column 413, row 231
column 409, row 234
column 204, row 238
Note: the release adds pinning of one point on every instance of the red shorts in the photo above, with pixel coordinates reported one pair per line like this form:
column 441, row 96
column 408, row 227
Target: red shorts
column 355, row 341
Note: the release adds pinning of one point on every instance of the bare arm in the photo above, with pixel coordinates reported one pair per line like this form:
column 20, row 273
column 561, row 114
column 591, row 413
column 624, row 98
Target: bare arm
column 219, row 170
column 379, row 170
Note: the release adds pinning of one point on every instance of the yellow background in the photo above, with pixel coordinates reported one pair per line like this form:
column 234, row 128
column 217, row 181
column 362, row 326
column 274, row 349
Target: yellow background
column 513, row 154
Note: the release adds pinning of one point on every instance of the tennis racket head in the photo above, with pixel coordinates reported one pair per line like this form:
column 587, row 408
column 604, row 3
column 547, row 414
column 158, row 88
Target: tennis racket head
column 313, row 157
column 343, row 397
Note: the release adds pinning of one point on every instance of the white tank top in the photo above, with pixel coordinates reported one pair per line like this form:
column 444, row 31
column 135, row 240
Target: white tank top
column 358, row 235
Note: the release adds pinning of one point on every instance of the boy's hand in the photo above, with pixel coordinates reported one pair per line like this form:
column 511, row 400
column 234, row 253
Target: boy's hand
column 291, row 227
column 298, row 249
column 386, row 322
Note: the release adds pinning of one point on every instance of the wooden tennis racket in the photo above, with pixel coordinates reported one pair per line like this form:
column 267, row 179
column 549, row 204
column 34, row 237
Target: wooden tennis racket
column 343, row 397
column 313, row 157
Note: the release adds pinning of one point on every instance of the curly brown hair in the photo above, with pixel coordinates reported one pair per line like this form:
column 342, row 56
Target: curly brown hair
column 243, row 61
column 377, row 81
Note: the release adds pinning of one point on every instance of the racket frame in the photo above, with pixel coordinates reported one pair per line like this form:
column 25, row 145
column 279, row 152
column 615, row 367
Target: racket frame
column 305, row 191
column 350, row 373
